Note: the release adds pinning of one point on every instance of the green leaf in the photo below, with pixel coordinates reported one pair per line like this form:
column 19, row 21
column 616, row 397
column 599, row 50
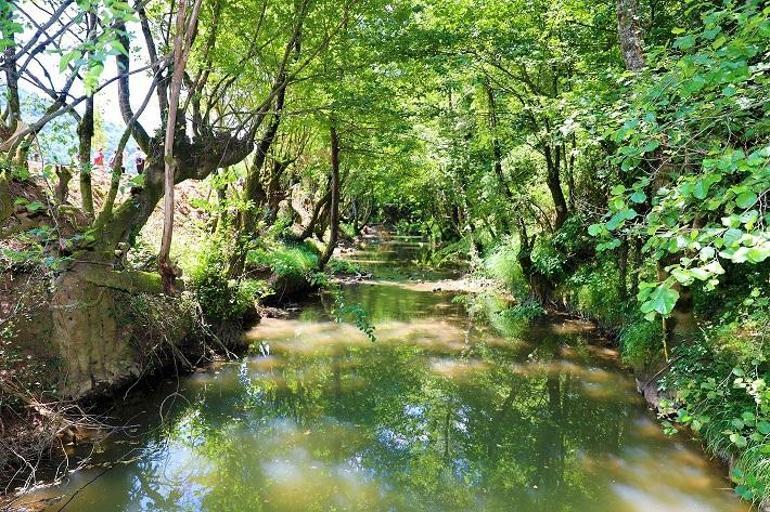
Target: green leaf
column 595, row 229
column 738, row 440
column 744, row 492
column 701, row 189
column 758, row 254
column 661, row 301
column 732, row 236
column 35, row 206
column 617, row 190
column 685, row 42
column 700, row 274
column 746, row 199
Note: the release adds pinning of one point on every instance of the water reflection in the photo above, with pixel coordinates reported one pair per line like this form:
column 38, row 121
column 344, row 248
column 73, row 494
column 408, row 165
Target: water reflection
column 441, row 413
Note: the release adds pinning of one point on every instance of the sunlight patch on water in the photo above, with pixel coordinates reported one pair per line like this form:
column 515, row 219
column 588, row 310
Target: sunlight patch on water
column 457, row 368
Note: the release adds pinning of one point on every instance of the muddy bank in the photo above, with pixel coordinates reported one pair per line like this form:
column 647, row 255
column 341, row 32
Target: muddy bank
column 74, row 342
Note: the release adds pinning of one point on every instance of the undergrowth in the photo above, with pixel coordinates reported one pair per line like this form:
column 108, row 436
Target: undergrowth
column 285, row 258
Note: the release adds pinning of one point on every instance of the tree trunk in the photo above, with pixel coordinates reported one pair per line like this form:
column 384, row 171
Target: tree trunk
column 630, row 34
column 334, row 207
column 182, row 43
column 315, row 215
column 630, row 38
column 274, row 192
column 255, row 192
column 85, row 137
column 13, row 105
column 553, row 180
column 541, row 288
column 497, row 152
column 62, row 185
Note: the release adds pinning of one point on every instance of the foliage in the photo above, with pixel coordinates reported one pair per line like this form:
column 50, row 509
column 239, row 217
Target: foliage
column 695, row 147
column 221, row 298
column 285, row 259
column 502, row 265
column 507, row 132
column 640, row 342
column 339, row 266
column 527, row 310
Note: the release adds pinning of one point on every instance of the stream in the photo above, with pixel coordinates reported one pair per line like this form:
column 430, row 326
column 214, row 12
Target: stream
column 449, row 409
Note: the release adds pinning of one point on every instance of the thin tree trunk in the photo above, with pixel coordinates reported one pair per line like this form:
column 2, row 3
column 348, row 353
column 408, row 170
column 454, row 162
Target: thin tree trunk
column 315, row 215
column 630, row 38
column 85, row 136
column 553, row 180
column 497, row 152
column 13, row 105
column 254, row 189
column 182, row 43
column 334, row 207
column 62, row 185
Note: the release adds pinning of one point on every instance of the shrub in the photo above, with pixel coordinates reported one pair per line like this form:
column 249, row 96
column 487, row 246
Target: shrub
column 221, row 299
column 339, row 266
column 502, row 265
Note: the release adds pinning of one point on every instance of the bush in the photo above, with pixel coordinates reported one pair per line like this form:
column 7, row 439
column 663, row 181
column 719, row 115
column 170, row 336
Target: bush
column 719, row 386
column 593, row 292
column 221, row 299
column 338, row 266
column 527, row 310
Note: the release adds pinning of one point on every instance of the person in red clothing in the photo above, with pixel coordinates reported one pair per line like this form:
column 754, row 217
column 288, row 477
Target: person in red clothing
column 99, row 159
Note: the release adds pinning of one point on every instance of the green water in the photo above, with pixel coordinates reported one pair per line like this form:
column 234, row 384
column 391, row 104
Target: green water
column 445, row 411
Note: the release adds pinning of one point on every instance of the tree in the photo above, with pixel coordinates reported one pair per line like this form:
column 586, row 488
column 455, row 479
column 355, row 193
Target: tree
column 186, row 27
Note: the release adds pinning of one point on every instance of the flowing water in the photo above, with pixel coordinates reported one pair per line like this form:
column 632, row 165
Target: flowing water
column 447, row 410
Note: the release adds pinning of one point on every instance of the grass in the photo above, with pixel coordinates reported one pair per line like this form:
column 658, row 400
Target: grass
column 286, row 259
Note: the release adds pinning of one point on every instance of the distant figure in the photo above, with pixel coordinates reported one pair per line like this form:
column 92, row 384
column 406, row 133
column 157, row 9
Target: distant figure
column 99, row 159
column 264, row 348
column 139, row 162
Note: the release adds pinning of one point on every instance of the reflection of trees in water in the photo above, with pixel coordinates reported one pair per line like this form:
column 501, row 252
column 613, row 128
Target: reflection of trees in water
column 491, row 434
column 510, row 432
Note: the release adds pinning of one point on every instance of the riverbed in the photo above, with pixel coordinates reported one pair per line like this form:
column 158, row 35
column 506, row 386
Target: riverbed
column 453, row 406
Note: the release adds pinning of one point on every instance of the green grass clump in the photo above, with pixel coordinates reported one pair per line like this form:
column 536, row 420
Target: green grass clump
column 501, row 264
column 594, row 292
column 286, row 259
column 640, row 341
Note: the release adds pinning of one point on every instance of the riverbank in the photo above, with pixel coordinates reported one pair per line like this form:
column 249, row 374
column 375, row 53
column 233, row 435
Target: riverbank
column 78, row 340
column 709, row 383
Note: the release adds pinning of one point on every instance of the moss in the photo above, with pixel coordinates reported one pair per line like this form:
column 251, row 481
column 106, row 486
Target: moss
column 6, row 201
column 126, row 280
